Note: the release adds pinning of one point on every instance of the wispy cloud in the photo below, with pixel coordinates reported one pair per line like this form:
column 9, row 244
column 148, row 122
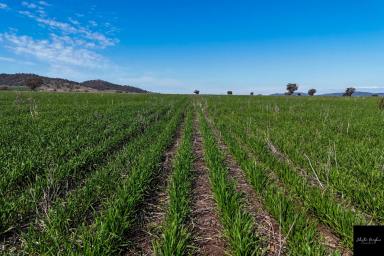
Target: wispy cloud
column 72, row 47
column 93, row 23
column 7, row 59
column 73, row 27
column 69, row 45
column 44, row 3
column 3, row 6
column 12, row 60
column 29, row 5
column 53, row 50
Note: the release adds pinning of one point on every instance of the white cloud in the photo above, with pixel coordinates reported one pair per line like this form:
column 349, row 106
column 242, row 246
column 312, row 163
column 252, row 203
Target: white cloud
column 29, row 5
column 73, row 21
column 7, row 59
column 12, row 60
column 44, row 3
column 74, row 27
column 72, row 47
column 52, row 51
column 93, row 23
column 3, row 6
column 26, row 13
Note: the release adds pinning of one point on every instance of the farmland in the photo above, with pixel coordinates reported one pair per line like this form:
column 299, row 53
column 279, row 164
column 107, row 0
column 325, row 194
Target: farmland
column 121, row 174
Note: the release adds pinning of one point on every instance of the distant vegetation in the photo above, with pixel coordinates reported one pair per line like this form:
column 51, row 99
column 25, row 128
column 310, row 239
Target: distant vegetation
column 311, row 92
column 291, row 88
column 34, row 82
column 349, row 91
column 42, row 83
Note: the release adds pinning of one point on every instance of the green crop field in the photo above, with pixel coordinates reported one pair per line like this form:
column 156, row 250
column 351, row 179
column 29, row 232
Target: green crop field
column 148, row 174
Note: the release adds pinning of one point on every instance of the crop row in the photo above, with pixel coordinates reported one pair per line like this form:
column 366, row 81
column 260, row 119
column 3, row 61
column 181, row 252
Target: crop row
column 53, row 182
column 81, row 205
column 238, row 224
column 105, row 235
column 249, row 145
column 337, row 140
column 176, row 232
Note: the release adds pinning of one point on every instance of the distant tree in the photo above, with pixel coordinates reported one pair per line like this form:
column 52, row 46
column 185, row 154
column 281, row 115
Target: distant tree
column 375, row 95
column 229, row 92
column 311, row 92
column 251, row 93
column 291, row 88
column 34, row 82
column 196, row 92
column 299, row 94
column 349, row 91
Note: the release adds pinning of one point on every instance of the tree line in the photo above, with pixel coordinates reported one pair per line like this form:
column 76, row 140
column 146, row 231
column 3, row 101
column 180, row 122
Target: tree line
column 292, row 88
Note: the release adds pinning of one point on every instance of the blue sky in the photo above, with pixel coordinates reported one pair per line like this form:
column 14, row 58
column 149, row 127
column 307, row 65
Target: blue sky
column 214, row 46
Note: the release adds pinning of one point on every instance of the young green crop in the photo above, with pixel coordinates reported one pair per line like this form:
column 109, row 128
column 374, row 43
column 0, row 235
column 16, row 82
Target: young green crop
column 238, row 224
column 76, row 167
column 175, row 238
column 106, row 235
column 80, row 205
column 17, row 208
column 340, row 139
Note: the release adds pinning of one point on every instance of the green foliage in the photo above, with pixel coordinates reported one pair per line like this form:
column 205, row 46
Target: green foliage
column 76, row 168
column 176, row 234
column 343, row 151
column 291, row 88
column 381, row 103
column 238, row 224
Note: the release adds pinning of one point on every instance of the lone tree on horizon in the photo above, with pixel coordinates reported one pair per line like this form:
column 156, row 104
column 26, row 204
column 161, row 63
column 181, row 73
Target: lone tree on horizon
column 33, row 82
column 229, row 92
column 349, row 91
column 311, row 92
column 291, row 88
column 196, row 92
column 251, row 93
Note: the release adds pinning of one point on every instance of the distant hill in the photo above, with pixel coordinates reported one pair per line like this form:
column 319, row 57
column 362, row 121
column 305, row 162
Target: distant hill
column 337, row 94
column 101, row 85
column 59, row 84
column 295, row 94
column 357, row 93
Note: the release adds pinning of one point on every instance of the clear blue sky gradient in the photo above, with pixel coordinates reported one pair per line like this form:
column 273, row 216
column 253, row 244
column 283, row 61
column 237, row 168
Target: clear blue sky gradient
column 214, row 46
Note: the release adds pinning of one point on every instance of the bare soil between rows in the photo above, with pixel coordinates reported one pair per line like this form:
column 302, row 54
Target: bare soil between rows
column 207, row 230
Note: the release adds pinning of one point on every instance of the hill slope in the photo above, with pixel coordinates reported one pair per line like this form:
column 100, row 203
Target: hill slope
column 50, row 84
column 101, row 85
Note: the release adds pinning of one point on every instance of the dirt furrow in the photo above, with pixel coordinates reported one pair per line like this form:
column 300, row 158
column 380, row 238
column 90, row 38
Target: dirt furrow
column 153, row 211
column 207, row 230
column 267, row 226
